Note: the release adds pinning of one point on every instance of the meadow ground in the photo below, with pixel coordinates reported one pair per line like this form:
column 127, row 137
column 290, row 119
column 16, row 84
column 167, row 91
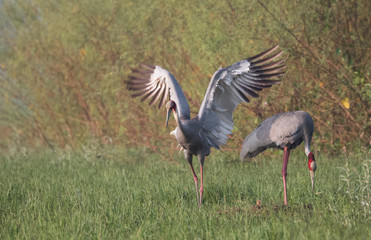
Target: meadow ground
column 138, row 195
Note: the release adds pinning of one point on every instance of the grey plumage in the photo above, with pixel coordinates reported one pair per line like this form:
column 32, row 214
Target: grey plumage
column 285, row 131
column 228, row 87
column 288, row 129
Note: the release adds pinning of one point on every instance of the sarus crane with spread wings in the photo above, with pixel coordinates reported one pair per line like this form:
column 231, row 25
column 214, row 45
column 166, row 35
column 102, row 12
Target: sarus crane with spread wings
column 228, row 87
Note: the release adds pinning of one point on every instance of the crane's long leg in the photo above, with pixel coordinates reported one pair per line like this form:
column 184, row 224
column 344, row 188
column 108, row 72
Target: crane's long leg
column 201, row 159
column 286, row 154
column 189, row 159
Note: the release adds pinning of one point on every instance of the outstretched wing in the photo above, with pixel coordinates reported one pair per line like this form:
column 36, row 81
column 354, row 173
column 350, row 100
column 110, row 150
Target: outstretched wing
column 235, row 84
column 157, row 84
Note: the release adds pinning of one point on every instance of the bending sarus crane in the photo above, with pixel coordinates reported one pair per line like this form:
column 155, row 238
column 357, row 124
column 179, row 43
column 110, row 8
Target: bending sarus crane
column 228, row 87
column 284, row 131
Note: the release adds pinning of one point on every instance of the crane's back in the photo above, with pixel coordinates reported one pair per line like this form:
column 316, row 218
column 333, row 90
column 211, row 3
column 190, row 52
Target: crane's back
column 288, row 129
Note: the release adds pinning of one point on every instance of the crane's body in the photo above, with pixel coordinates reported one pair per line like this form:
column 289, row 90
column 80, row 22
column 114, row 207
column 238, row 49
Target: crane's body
column 285, row 131
column 228, row 88
column 194, row 144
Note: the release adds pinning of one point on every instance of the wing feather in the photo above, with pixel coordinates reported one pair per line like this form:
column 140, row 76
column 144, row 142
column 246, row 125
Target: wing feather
column 158, row 94
column 270, row 70
column 245, row 90
column 265, row 60
column 263, row 54
column 235, row 84
column 269, row 65
column 151, row 92
column 255, row 80
column 156, row 83
column 252, row 87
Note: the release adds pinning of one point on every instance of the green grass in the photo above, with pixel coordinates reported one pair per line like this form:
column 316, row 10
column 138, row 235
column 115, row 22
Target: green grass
column 136, row 195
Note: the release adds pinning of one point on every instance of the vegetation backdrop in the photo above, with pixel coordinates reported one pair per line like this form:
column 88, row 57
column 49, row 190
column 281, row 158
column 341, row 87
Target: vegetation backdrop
column 108, row 168
column 63, row 67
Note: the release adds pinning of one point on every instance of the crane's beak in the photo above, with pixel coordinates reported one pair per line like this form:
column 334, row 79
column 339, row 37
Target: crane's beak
column 312, row 178
column 168, row 116
column 312, row 170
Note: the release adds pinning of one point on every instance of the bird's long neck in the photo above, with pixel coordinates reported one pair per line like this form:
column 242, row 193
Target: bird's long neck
column 178, row 120
column 307, row 146
column 307, row 140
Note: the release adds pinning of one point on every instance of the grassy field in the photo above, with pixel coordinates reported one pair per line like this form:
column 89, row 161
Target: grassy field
column 137, row 195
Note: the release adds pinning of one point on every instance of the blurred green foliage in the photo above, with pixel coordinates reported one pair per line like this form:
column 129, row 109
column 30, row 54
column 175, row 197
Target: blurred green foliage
column 63, row 67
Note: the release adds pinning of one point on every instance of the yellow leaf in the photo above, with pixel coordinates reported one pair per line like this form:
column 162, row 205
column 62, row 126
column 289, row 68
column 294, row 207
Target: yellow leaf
column 346, row 103
column 75, row 8
column 320, row 84
column 82, row 53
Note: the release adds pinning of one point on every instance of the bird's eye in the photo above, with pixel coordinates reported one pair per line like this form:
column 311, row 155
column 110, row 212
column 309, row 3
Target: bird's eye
column 173, row 105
